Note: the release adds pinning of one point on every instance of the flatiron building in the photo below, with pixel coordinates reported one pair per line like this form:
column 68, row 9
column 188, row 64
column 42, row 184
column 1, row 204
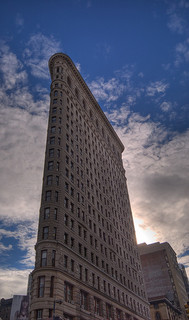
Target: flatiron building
column 87, row 262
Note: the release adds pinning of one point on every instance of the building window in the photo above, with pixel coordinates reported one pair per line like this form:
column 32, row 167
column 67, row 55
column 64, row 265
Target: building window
column 50, row 165
column 86, row 274
column 46, row 213
column 72, row 242
column 118, row 314
column 68, row 292
column 57, row 180
column 55, row 101
column 56, row 196
column 80, row 248
column 65, row 261
column 80, row 272
column 65, row 238
column 108, row 311
column 72, row 265
column 50, row 313
column 53, row 129
column 51, row 153
column 72, row 207
column 66, row 202
column 49, row 180
column 43, row 258
column 77, row 93
column 45, row 233
column 97, row 306
column 66, row 219
column 84, row 300
column 53, row 257
column 53, row 119
column 158, row 316
column 54, row 233
column 54, row 110
column 52, row 287
column 69, row 81
column 48, row 196
column 39, row 314
column 55, row 213
column 41, row 286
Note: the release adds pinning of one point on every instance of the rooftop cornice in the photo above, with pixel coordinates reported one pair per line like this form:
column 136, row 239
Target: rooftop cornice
column 85, row 87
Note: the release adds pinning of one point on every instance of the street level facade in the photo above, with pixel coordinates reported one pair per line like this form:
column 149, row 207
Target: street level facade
column 87, row 262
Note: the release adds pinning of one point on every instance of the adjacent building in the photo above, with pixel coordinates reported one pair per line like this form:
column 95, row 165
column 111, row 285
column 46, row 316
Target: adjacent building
column 164, row 284
column 87, row 262
column 185, row 278
column 5, row 308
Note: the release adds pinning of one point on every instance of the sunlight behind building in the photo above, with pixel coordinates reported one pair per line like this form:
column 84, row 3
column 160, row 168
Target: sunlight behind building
column 144, row 234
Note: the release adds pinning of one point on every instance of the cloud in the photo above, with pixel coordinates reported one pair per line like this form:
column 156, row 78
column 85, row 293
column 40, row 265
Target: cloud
column 23, row 122
column 13, row 282
column 166, row 106
column 109, row 91
column 182, row 52
column 23, row 237
column 11, row 68
column 19, row 20
column 78, row 66
column 37, row 53
column 176, row 23
column 5, row 248
column 156, row 87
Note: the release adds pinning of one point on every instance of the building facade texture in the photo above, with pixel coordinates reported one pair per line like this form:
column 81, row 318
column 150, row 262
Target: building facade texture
column 5, row 308
column 87, row 261
column 163, row 277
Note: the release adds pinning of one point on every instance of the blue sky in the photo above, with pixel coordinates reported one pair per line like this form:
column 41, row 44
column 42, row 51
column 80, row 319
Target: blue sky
column 134, row 56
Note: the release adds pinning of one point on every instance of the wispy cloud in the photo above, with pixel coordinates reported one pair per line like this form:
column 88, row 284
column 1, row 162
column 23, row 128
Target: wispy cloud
column 166, row 106
column 78, row 66
column 11, row 68
column 156, row 87
column 107, row 90
column 37, row 53
column 5, row 248
column 182, row 52
column 19, row 20
column 176, row 23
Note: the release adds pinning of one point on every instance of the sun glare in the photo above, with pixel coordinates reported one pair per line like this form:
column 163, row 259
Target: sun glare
column 144, row 235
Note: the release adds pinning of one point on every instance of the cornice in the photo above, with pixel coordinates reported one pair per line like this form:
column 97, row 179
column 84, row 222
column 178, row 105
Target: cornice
column 86, row 88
